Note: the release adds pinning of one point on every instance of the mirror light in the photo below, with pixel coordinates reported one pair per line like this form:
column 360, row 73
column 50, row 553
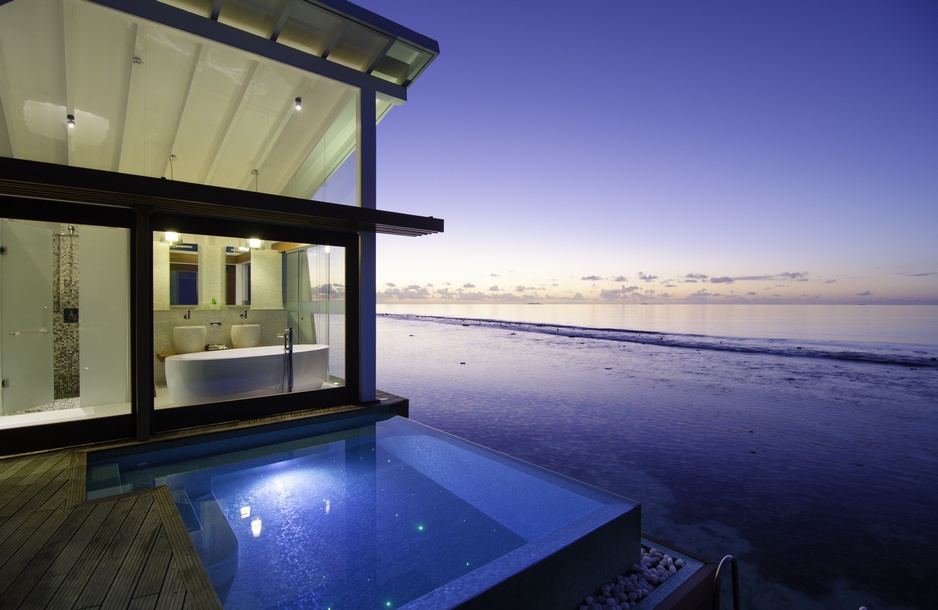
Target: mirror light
column 254, row 243
column 171, row 237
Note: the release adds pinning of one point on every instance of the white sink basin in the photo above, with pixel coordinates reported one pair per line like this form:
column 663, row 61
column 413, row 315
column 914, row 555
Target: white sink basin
column 188, row 339
column 245, row 335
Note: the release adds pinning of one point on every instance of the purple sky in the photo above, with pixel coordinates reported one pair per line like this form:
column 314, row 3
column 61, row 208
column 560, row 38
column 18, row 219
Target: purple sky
column 667, row 151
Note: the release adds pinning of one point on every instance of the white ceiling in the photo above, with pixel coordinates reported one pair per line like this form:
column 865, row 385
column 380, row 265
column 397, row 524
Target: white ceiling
column 152, row 100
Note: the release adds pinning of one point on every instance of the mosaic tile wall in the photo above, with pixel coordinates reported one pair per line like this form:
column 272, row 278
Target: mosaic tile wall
column 65, row 312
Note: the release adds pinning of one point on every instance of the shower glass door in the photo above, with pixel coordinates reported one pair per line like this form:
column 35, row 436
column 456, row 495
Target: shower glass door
column 26, row 362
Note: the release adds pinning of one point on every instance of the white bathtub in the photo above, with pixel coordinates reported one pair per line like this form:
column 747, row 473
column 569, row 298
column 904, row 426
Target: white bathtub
column 229, row 374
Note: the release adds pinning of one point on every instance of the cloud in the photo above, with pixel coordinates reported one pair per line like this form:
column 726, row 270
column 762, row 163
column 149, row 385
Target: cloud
column 469, row 285
column 689, row 281
column 522, row 288
column 797, row 276
column 830, row 281
column 647, row 278
column 494, row 275
column 865, row 293
column 721, row 280
column 927, row 274
column 591, row 278
column 620, row 278
column 702, row 293
column 623, row 292
column 410, row 292
column 750, row 294
column 494, row 289
column 472, row 296
column 332, row 290
column 696, row 276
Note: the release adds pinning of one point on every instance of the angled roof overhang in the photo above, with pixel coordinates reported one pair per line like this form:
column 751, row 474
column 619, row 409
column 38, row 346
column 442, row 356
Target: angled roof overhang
column 201, row 91
column 28, row 181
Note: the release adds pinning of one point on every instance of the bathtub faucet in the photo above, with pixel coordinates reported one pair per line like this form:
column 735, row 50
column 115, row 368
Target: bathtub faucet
column 245, row 314
column 288, row 355
column 188, row 314
column 287, row 337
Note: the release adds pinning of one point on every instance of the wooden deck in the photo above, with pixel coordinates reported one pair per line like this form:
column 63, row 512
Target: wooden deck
column 130, row 551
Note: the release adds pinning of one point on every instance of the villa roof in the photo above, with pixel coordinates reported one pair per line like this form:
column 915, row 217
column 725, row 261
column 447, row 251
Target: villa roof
column 200, row 91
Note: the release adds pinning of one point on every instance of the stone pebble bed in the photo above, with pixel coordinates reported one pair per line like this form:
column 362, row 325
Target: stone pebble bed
column 629, row 589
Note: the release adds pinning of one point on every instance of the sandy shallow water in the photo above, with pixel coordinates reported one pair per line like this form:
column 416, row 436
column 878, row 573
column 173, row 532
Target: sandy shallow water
column 821, row 476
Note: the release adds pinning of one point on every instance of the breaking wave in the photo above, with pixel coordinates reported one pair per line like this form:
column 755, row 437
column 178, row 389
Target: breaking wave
column 883, row 353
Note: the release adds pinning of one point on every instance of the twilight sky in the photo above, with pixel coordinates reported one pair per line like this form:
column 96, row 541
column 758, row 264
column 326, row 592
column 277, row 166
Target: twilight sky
column 667, row 151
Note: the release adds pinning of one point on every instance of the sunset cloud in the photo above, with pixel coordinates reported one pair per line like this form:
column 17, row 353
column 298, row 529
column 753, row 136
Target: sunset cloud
column 647, row 278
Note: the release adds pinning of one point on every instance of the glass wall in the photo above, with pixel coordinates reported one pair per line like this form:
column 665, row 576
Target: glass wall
column 260, row 318
column 65, row 315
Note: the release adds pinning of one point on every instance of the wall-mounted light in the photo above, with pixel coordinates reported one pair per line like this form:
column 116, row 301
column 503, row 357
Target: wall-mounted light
column 254, row 243
column 256, row 527
column 299, row 103
column 70, row 120
column 171, row 237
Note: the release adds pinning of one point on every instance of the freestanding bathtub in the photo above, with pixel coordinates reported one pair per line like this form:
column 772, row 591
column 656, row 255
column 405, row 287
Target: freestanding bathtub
column 201, row 377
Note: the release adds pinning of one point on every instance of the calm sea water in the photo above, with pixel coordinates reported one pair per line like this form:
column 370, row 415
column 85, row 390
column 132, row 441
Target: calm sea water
column 799, row 438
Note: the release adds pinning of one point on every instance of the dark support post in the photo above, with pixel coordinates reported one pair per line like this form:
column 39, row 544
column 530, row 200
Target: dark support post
column 141, row 317
column 367, row 198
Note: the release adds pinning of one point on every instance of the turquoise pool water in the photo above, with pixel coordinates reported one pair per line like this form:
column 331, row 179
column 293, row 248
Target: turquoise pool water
column 359, row 514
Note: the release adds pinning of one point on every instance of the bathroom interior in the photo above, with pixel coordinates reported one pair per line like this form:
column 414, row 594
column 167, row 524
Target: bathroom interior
column 65, row 311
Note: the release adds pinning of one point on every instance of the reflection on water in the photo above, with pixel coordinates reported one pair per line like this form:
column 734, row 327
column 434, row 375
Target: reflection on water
column 799, row 466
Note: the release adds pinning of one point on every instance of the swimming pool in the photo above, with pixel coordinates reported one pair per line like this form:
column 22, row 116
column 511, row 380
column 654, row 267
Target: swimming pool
column 378, row 512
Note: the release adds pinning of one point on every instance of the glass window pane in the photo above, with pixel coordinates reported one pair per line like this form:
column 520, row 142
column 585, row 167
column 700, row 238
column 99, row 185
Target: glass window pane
column 65, row 349
column 280, row 328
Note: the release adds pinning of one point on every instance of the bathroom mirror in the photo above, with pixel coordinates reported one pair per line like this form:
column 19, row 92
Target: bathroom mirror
column 184, row 274
column 201, row 271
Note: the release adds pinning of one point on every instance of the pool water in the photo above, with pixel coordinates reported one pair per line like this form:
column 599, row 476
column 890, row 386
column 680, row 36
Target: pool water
column 382, row 514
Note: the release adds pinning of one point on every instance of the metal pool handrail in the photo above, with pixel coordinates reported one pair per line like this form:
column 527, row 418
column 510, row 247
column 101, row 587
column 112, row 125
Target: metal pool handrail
column 718, row 581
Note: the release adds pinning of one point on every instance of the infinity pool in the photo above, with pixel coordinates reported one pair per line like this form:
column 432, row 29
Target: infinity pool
column 376, row 513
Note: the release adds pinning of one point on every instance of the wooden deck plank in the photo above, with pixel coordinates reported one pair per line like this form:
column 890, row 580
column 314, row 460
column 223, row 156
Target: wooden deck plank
column 14, row 529
column 197, row 584
column 144, row 603
column 49, row 490
column 77, row 475
column 102, row 579
column 21, row 489
column 131, row 566
column 154, row 571
column 31, row 541
column 87, row 563
column 173, row 591
column 68, row 557
column 58, row 499
column 9, row 467
column 31, row 577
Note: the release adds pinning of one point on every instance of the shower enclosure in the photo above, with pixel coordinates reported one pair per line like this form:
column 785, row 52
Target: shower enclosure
column 64, row 321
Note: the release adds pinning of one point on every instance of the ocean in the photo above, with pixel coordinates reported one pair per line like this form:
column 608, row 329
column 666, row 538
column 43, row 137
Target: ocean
column 802, row 439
